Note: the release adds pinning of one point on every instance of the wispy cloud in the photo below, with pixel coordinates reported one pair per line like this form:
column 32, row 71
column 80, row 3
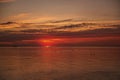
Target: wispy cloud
column 60, row 21
column 85, row 27
column 18, row 17
column 37, row 19
column 21, row 15
column 68, row 28
column 5, row 1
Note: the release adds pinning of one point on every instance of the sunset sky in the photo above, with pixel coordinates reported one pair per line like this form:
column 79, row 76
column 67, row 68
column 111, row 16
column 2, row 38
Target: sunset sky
column 59, row 23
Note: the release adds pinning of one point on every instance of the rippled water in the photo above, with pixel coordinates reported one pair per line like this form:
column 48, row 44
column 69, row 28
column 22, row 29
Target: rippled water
column 57, row 63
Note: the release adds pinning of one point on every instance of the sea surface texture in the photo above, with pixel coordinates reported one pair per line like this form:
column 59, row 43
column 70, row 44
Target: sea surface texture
column 60, row 63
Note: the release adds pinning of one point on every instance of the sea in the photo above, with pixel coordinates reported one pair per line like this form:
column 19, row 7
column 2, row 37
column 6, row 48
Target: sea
column 59, row 63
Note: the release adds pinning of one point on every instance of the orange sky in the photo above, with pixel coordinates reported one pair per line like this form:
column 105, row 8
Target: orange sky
column 59, row 22
column 36, row 11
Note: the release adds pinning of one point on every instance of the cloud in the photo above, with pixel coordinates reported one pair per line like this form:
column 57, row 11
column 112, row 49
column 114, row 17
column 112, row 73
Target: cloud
column 16, row 17
column 81, row 27
column 85, row 27
column 38, row 19
column 60, row 21
column 15, row 33
column 21, row 15
column 70, row 26
column 5, row 1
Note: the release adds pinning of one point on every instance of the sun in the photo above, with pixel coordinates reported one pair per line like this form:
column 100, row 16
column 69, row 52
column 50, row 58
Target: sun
column 47, row 46
column 49, row 42
column 46, row 41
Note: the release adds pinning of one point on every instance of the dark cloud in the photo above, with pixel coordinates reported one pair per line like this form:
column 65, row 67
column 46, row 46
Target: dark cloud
column 90, row 33
column 75, row 26
column 7, row 23
column 69, row 26
column 60, row 21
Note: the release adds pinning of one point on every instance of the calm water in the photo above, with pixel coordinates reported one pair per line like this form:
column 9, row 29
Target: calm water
column 60, row 63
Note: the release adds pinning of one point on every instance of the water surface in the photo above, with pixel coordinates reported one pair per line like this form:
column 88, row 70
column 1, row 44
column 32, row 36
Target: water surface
column 60, row 63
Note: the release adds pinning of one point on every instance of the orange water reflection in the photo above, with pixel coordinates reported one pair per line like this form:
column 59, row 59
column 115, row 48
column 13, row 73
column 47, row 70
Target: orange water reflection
column 47, row 63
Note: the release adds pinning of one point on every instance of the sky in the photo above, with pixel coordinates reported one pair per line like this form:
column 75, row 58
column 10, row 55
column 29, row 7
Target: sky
column 59, row 22
column 44, row 10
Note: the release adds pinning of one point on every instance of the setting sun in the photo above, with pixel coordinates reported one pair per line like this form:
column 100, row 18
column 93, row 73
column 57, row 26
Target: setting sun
column 49, row 42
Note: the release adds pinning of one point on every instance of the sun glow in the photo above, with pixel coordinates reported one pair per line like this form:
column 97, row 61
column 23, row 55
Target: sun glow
column 49, row 42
